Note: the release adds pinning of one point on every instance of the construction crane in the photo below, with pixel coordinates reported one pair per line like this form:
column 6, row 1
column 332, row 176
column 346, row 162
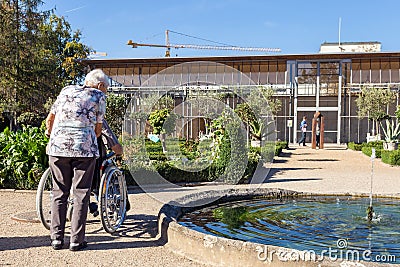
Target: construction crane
column 192, row 46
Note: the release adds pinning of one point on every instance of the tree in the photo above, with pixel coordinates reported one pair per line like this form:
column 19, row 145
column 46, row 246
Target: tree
column 254, row 112
column 19, row 21
column 62, row 49
column 398, row 112
column 37, row 56
column 115, row 111
column 162, row 121
column 372, row 103
column 247, row 116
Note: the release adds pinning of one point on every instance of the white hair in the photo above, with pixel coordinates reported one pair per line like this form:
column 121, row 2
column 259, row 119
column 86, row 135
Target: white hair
column 96, row 76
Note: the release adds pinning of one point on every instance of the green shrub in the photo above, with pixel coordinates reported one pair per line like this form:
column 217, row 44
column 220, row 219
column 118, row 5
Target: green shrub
column 354, row 146
column 153, row 146
column 385, row 156
column 115, row 111
column 176, row 175
column 221, row 168
column 189, row 149
column 391, row 157
column 279, row 146
column 395, row 157
column 157, row 156
column 230, row 166
column 30, row 118
column 278, row 150
column 142, row 172
column 22, row 157
column 375, row 144
column 283, row 144
column 368, row 151
column 388, row 157
column 252, row 163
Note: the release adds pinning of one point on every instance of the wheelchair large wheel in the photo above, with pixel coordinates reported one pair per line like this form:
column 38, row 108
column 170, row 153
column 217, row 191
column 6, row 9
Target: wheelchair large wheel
column 113, row 198
column 44, row 196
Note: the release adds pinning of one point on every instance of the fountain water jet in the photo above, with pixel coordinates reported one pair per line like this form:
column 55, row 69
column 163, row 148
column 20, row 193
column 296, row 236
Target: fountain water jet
column 370, row 209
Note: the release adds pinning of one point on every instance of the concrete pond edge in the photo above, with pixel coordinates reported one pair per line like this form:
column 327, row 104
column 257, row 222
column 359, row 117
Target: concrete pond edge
column 219, row 251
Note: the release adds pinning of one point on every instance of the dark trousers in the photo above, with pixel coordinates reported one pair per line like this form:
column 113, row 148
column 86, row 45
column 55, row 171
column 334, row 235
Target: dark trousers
column 76, row 173
column 303, row 138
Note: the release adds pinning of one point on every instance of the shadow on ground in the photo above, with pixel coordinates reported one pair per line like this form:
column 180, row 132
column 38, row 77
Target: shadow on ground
column 275, row 180
column 274, row 171
column 318, row 160
column 23, row 242
column 280, row 160
column 141, row 228
column 140, row 225
column 285, row 154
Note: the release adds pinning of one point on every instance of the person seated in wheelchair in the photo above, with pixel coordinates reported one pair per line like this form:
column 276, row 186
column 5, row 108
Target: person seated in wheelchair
column 106, row 141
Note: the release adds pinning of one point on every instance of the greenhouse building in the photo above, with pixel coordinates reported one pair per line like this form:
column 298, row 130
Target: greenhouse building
column 328, row 82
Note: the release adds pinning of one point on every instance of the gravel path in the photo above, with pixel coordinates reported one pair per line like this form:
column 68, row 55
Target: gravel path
column 27, row 244
column 332, row 170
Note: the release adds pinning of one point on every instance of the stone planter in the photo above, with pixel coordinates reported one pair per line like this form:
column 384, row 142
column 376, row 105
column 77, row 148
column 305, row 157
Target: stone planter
column 390, row 146
column 372, row 138
column 255, row 143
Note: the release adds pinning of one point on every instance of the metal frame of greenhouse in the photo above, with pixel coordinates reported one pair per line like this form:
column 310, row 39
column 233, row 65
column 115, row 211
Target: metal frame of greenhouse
column 305, row 83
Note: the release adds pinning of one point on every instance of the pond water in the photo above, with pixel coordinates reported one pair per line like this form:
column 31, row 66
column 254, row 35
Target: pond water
column 338, row 224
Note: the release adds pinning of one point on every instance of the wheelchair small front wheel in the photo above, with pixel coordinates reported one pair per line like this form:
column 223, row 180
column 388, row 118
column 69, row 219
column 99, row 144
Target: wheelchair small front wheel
column 113, row 198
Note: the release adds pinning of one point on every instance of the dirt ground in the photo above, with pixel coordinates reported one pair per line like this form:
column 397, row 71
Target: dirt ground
column 331, row 170
column 28, row 244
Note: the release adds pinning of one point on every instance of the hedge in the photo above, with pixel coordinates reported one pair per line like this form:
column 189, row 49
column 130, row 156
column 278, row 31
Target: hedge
column 23, row 159
column 368, row 151
column 175, row 175
column 216, row 169
column 354, row 146
column 391, row 157
column 375, row 144
column 388, row 157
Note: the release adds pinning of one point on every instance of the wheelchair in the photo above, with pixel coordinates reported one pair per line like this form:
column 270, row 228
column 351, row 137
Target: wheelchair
column 110, row 192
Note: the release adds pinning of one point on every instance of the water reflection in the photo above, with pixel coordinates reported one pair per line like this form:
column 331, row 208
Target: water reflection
column 315, row 223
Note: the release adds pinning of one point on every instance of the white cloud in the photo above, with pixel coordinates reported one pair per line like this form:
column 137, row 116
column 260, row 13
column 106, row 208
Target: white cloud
column 75, row 9
column 269, row 24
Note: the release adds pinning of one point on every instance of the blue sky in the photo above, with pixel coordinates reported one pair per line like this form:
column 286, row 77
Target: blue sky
column 293, row 26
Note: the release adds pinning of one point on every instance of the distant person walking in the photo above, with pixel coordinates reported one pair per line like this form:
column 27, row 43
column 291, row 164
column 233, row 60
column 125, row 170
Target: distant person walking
column 303, row 128
column 318, row 134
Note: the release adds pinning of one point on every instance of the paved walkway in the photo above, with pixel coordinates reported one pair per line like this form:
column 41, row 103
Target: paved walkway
column 332, row 170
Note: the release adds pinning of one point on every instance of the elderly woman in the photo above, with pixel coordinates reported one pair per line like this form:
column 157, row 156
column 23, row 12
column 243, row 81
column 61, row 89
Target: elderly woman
column 73, row 124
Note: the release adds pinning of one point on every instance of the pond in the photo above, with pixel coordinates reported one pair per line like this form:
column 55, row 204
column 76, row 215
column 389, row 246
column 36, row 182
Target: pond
column 320, row 224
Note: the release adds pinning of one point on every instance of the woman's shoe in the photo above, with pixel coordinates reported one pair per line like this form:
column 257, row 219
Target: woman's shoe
column 57, row 244
column 77, row 246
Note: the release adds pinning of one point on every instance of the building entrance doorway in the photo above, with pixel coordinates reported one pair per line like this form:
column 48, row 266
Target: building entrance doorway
column 318, row 88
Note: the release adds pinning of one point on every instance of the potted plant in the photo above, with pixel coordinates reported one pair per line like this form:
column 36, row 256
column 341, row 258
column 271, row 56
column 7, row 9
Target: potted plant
column 254, row 113
column 372, row 103
column 392, row 134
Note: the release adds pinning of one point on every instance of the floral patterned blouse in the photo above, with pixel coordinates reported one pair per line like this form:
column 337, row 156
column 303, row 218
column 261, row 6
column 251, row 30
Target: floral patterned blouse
column 77, row 110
